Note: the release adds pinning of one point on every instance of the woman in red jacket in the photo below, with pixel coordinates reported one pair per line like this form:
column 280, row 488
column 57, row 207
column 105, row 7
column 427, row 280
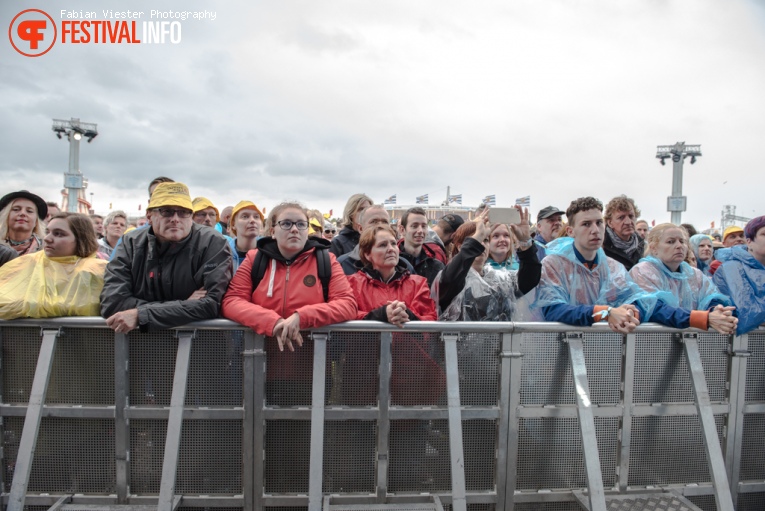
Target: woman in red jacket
column 387, row 292
column 384, row 291
column 288, row 298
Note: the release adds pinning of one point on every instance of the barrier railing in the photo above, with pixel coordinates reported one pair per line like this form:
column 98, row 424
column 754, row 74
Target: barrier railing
column 472, row 415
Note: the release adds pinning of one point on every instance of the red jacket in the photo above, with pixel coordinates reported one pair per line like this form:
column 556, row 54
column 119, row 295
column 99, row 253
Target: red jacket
column 283, row 291
column 372, row 293
column 417, row 379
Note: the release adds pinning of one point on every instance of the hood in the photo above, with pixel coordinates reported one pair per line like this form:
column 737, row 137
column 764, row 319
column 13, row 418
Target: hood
column 268, row 246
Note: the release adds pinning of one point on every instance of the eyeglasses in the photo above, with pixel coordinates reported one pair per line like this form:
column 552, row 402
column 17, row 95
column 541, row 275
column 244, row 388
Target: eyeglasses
column 328, row 231
column 169, row 212
column 202, row 214
column 302, row 225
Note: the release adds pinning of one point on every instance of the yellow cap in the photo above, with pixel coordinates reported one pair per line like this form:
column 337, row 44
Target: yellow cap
column 202, row 203
column 171, row 194
column 731, row 230
column 245, row 204
column 314, row 226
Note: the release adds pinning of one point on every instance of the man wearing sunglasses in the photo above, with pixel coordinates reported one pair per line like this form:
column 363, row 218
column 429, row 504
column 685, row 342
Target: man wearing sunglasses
column 170, row 274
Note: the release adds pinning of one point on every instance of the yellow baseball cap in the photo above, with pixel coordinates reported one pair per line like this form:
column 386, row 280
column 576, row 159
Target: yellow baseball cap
column 202, row 203
column 730, row 230
column 171, row 194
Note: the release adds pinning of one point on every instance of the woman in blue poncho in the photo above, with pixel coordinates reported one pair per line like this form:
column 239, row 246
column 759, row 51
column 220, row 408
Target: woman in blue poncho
column 686, row 297
column 702, row 248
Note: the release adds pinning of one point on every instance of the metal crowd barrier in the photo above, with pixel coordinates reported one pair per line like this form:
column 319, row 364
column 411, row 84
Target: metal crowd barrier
column 459, row 416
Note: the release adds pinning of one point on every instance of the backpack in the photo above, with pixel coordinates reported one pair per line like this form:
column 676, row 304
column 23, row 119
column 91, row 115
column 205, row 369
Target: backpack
column 323, row 264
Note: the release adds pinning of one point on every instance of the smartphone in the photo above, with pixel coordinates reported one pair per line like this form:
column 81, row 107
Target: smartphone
column 504, row 216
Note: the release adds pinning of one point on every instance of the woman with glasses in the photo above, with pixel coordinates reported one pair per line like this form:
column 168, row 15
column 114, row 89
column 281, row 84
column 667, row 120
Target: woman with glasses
column 287, row 299
column 329, row 230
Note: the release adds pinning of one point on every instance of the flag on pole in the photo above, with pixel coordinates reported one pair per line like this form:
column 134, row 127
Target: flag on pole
column 490, row 200
column 391, row 199
column 455, row 198
column 523, row 202
column 421, row 199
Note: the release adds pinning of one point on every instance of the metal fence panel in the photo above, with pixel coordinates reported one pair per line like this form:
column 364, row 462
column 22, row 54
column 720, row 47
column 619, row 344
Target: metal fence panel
column 76, row 451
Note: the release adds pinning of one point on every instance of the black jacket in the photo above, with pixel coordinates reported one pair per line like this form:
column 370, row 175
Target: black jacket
column 158, row 280
column 344, row 242
column 614, row 253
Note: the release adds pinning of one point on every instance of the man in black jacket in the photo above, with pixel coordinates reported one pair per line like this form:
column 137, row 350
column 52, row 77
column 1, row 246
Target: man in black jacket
column 427, row 257
column 170, row 274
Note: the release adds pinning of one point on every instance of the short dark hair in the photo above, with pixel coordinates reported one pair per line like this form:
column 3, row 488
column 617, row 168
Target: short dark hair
column 690, row 229
column 52, row 205
column 158, row 180
column 582, row 204
column 84, row 234
column 417, row 210
column 367, row 240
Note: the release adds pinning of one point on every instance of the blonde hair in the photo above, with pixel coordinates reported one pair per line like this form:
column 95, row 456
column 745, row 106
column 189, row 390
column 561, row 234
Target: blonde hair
column 351, row 206
column 654, row 236
column 5, row 214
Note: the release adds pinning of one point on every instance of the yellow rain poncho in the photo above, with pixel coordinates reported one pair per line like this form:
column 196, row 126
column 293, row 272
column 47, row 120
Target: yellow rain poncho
column 38, row 286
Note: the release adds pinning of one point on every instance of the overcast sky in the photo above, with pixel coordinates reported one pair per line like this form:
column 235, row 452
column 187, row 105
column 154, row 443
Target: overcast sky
column 317, row 100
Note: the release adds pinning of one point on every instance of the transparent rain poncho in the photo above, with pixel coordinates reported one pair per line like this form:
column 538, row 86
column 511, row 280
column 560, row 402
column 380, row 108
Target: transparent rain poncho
column 566, row 280
column 491, row 297
column 38, row 286
column 742, row 277
column 687, row 288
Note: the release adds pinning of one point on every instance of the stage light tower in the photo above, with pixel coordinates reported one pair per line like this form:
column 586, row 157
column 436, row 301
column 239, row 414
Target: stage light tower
column 676, row 203
column 74, row 182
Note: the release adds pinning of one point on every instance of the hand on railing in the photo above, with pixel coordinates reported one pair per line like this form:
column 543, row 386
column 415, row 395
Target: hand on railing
column 124, row 321
column 397, row 315
column 722, row 319
column 623, row 319
column 287, row 331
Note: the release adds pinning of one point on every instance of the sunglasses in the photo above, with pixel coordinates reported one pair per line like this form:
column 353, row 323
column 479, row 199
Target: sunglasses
column 328, row 231
column 170, row 212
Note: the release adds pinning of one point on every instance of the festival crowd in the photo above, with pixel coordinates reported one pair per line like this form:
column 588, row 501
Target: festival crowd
column 294, row 270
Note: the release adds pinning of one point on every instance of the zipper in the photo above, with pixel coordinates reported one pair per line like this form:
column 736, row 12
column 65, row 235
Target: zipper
column 286, row 285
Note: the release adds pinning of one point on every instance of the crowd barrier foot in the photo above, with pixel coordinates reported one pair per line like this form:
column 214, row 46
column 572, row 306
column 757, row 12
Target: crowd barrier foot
column 433, row 504
column 666, row 501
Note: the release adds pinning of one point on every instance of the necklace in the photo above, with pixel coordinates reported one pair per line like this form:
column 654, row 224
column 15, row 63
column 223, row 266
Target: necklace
column 18, row 243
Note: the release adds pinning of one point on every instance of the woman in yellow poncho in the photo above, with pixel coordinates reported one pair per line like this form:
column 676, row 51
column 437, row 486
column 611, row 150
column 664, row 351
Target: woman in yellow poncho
column 64, row 279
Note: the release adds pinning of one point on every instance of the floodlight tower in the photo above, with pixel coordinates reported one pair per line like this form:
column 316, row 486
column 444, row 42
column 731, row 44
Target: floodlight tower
column 679, row 152
column 74, row 182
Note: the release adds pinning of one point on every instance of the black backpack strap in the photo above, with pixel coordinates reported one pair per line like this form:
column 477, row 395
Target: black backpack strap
column 324, row 267
column 258, row 269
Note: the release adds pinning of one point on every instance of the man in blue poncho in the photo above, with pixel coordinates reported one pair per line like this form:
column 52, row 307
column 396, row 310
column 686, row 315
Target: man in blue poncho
column 580, row 285
column 742, row 276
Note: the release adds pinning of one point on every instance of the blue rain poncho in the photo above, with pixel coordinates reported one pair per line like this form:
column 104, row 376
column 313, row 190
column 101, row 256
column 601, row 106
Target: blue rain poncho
column 703, row 266
column 687, row 288
column 742, row 277
column 565, row 280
